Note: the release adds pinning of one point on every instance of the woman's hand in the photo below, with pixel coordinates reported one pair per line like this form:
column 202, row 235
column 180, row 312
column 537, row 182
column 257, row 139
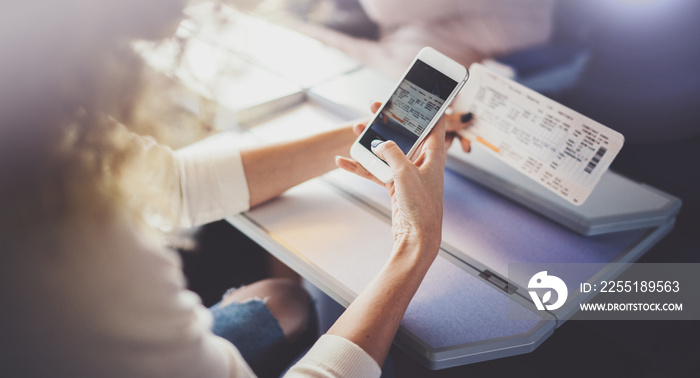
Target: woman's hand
column 372, row 319
column 454, row 123
column 416, row 192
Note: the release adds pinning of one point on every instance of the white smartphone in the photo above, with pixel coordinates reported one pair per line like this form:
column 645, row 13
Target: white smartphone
column 423, row 94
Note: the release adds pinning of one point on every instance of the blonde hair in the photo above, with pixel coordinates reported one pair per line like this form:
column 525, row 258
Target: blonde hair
column 69, row 79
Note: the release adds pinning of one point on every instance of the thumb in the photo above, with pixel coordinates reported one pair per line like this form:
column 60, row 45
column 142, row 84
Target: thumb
column 391, row 154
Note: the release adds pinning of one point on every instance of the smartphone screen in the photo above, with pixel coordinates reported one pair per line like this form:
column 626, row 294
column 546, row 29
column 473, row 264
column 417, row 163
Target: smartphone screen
column 411, row 107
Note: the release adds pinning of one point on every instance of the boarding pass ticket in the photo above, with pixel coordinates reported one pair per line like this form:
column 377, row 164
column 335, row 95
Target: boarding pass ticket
column 548, row 142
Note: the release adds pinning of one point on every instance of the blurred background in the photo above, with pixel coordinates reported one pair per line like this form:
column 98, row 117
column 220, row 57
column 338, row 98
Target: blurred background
column 632, row 65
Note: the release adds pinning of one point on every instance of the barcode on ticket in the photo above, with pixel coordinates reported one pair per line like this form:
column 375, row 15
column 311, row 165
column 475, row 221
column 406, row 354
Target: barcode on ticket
column 559, row 148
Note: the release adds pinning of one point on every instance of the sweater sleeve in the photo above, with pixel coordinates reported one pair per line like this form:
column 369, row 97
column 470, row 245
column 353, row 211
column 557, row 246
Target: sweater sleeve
column 212, row 180
column 335, row 356
column 194, row 185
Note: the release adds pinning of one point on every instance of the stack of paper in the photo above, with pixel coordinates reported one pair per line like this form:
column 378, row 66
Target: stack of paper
column 302, row 59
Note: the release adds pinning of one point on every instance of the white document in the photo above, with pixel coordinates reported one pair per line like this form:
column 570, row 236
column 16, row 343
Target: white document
column 559, row 148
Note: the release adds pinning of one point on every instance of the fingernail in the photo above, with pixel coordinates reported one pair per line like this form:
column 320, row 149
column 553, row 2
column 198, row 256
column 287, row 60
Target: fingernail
column 466, row 117
column 375, row 143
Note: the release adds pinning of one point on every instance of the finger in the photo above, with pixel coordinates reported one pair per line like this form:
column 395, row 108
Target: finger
column 354, row 167
column 373, row 107
column 434, row 151
column 449, row 138
column 391, row 154
column 459, row 121
column 466, row 144
column 466, row 117
column 358, row 128
column 435, row 141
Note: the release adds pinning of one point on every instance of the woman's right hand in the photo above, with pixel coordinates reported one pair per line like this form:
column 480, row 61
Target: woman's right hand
column 373, row 317
column 416, row 191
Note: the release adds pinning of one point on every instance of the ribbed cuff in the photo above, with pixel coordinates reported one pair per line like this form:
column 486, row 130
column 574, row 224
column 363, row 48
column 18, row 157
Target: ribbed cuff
column 338, row 357
column 213, row 180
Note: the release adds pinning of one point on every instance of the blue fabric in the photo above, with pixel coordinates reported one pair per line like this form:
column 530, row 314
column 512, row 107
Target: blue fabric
column 255, row 332
column 251, row 327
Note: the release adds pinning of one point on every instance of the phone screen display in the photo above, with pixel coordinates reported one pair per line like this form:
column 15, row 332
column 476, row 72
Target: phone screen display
column 411, row 107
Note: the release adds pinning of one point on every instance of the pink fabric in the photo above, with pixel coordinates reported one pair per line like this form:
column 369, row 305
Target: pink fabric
column 465, row 30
